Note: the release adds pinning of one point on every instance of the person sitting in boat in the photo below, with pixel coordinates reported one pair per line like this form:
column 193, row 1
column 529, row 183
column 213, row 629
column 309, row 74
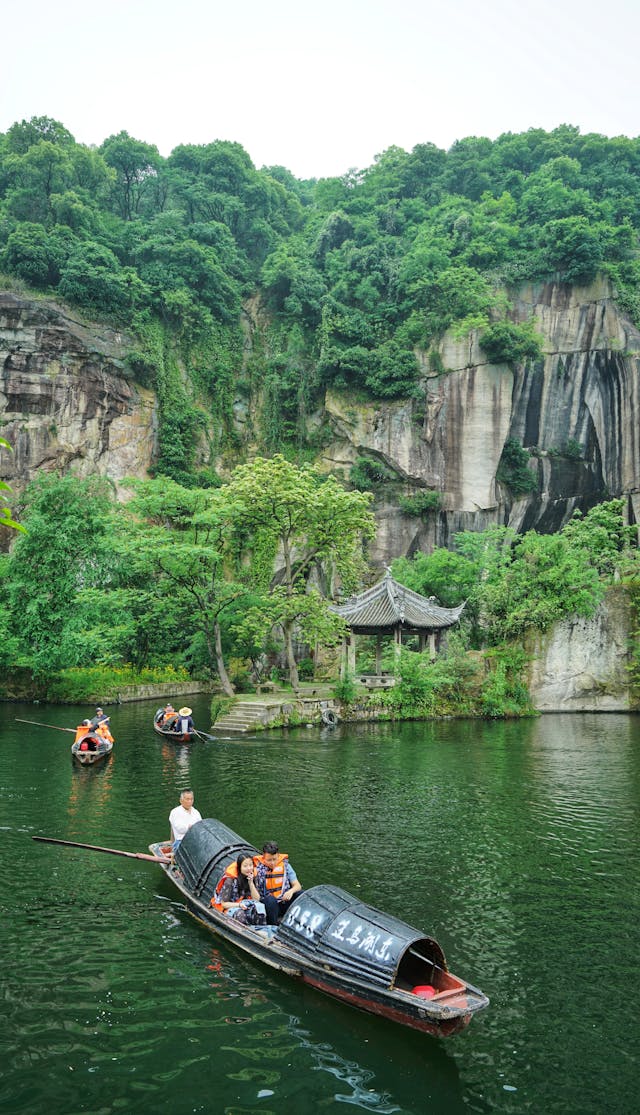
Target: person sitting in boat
column 276, row 880
column 184, row 723
column 237, row 895
column 82, row 730
column 103, row 731
column 86, row 738
column 168, row 718
column 182, row 818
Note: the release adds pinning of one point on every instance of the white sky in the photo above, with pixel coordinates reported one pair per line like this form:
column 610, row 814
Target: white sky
column 320, row 87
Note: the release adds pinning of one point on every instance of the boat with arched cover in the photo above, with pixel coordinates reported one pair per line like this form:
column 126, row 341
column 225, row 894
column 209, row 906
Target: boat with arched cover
column 330, row 940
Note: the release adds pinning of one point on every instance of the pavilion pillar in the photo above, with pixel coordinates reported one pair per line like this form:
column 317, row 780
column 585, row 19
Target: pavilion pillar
column 422, row 638
column 348, row 655
column 378, row 654
column 351, row 654
column 432, row 645
column 397, row 642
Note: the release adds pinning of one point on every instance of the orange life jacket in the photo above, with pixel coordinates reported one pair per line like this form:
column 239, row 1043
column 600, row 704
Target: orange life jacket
column 81, row 731
column 230, row 873
column 275, row 878
column 103, row 730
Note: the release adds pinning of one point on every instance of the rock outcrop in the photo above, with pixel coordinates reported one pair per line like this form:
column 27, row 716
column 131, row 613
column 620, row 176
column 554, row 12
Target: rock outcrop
column 584, row 394
column 582, row 665
column 67, row 403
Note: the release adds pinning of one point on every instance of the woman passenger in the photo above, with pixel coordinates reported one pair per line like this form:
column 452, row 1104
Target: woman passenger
column 237, row 895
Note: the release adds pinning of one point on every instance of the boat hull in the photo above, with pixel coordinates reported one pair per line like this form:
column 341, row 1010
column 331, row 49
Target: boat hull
column 174, row 737
column 90, row 758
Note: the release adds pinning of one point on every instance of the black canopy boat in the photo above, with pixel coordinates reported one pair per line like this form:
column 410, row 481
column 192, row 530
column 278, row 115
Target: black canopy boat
column 330, row 940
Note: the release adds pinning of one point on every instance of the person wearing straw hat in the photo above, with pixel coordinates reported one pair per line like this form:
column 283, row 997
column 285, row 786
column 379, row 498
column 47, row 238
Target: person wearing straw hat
column 185, row 723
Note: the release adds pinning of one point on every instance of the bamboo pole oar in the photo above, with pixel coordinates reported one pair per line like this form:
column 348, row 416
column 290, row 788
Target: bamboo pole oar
column 97, row 848
column 39, row 724
column 204, row 735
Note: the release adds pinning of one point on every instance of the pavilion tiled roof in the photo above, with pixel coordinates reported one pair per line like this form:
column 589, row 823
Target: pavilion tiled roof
column 388, row 604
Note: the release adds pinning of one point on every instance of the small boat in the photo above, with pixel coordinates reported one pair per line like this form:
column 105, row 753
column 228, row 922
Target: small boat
column 330, row 940
column 175, row 734
column 97, row 748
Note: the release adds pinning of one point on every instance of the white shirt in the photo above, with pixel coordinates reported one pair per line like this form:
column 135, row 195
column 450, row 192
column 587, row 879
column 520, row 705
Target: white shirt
column 182, row 819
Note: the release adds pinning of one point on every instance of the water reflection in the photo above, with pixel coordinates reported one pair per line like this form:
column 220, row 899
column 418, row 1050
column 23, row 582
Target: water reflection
column 277, row 1042
column 90, row 791
column 176, row 761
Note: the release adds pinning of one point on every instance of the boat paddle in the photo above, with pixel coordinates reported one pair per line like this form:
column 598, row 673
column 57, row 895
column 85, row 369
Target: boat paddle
column 97, row 848
column 39, row 724
column 204, row 735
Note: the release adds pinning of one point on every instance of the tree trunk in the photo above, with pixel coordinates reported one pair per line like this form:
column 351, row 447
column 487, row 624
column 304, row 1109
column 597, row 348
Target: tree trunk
column 288, row 627
column 293, row 667
column 222, row 669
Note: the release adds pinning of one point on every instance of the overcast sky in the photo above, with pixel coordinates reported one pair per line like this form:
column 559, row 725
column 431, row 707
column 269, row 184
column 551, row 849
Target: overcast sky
column 320, row 87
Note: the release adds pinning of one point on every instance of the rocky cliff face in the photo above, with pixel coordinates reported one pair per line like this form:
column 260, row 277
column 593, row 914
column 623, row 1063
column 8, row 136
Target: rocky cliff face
column 66, row 403
column 584, row 393
column 583, row 665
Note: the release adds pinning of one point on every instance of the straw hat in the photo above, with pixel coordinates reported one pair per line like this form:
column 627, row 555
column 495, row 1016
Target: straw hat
column 185, row 711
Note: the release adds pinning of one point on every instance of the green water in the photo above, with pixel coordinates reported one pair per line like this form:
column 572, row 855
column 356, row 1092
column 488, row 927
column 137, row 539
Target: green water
column 516, row 845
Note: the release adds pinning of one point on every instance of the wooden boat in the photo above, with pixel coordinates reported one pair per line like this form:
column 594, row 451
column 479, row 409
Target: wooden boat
column 330, row 940
column 169, row 733
column 97, row 749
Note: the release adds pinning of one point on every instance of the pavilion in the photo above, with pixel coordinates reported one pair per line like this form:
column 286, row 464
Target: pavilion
column 389, row 608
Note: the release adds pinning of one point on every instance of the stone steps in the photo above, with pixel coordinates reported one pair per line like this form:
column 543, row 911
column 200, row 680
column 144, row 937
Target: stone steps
column 243, row 717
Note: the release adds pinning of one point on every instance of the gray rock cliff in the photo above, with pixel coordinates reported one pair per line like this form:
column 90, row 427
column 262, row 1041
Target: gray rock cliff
column 66, row 402
column 584, row 393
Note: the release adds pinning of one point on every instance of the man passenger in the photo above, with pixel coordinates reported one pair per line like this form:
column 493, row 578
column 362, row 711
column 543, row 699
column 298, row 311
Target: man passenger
column 276, row 881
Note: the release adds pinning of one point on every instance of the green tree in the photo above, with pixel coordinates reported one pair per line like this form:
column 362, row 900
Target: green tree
column 311, row 520
column 63, row 552
column 548, row 578
column 136, row 166
column 177, row 542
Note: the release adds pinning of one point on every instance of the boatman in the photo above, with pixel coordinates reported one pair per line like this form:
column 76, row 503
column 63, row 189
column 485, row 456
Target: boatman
column 182, row 818
column 185, row 722
column 100, row 718
column 276, row 881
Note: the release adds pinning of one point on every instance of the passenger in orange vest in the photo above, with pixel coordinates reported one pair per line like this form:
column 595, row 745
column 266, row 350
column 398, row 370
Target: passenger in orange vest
column 85, row 733
column 276, row 880
column 237, row 895
column 82, row 730
column 103, row 731
column 169, row 717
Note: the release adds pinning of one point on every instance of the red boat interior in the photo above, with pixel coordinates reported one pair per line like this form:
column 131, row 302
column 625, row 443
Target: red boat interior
column 418, row 969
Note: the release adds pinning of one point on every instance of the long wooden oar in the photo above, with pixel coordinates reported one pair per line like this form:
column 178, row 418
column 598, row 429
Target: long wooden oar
column 39, row 724
column 204, row 735
column 97, row 848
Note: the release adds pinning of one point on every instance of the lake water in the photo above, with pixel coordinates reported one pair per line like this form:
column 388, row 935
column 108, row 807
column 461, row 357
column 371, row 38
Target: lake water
column 516, row 845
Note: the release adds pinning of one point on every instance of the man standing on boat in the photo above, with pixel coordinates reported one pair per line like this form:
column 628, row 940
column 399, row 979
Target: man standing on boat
column 100, row 718
column 185, row 723
column 182, row 818
column 276, row 881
